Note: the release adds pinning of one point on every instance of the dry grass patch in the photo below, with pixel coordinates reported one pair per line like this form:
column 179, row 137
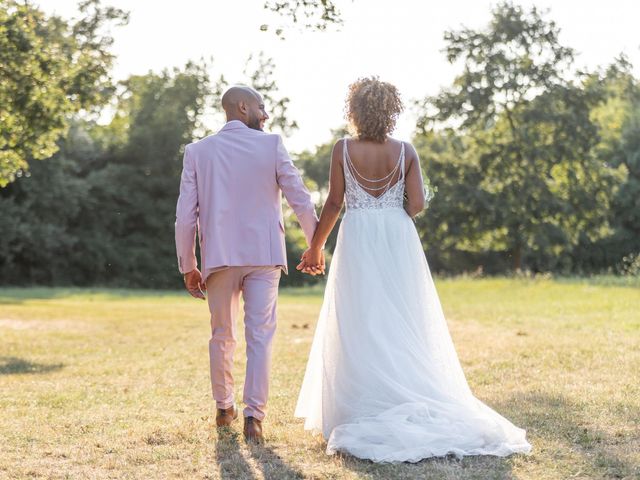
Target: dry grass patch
column 114, row 384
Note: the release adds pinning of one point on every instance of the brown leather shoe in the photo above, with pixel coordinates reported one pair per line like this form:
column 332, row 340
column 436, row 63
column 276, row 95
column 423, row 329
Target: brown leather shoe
column 225, row 416
column 253, row 430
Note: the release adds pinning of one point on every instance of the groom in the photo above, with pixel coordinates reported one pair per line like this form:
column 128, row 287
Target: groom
column 230, row 193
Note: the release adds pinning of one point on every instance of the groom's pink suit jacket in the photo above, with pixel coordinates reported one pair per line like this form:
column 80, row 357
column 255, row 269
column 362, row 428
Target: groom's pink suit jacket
column 231, row 184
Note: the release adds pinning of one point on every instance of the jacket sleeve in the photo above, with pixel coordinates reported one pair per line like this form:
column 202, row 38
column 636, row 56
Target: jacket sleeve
column 187, row 216
column 297, row 195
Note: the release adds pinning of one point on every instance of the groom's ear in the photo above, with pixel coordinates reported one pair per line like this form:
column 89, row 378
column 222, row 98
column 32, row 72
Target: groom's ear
column 242, row 106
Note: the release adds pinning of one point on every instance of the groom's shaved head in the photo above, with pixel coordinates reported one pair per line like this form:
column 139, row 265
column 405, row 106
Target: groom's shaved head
column 245, row 104
column 237, row 94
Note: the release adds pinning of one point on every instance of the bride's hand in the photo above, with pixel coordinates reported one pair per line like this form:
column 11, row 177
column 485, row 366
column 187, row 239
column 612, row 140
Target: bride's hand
column 312, row 262
column 306, row 266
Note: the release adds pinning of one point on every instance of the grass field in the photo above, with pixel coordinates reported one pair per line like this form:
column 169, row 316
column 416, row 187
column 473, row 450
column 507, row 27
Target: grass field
column 115, row 384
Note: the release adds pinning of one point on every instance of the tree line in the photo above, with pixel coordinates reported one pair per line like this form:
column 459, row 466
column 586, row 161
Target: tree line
column 533, row 164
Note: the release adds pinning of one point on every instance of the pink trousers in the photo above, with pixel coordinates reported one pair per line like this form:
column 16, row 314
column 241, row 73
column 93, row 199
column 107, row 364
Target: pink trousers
column 259, row 289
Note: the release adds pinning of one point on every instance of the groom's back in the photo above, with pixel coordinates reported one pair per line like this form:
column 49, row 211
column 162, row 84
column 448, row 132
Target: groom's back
column 236, row 167
column 239, row 205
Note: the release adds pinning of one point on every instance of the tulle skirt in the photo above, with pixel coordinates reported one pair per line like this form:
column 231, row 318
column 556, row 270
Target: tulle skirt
column 383, row 381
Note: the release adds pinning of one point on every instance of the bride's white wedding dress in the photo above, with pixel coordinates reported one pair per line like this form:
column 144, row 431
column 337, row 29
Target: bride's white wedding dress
column 383, row 381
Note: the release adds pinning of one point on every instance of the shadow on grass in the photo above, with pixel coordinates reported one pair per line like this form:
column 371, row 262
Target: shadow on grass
column 272, row 465
column 559, row 419
column 15, row 365
column 229, row 457
column 234, row 466
column 440, row 468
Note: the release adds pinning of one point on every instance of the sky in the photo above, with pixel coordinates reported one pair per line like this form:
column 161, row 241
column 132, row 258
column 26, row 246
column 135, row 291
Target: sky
column 401, row 41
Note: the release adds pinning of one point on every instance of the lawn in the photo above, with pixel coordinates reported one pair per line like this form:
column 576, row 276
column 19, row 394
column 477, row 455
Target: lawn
column 115, row 384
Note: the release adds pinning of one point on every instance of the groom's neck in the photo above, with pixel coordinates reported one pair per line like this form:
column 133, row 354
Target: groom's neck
column 234, row 117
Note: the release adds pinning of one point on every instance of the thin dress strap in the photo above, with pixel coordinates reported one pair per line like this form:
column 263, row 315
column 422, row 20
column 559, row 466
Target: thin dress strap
column 348, row 164
column 344, row 151
column 401, row 178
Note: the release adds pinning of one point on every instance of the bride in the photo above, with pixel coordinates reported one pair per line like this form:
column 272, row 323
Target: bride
column 383, row 381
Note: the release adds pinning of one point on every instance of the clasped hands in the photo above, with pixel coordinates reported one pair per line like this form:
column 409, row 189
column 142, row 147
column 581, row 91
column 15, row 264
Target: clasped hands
column 312, row 262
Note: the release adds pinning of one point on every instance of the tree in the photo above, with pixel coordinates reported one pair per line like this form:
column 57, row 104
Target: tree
column 101, row 211
column 452, row 230
column 41, row 222
column 316, row 163
column 315, row 167
column 49, row 70
column 618, row 121
column 307, row 14
column 526, row 117
column 259, row 71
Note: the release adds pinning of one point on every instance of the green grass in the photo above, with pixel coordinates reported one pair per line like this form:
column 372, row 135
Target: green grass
column 115, row 384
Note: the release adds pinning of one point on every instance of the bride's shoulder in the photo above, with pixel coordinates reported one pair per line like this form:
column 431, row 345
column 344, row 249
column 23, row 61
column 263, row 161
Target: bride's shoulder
column 397, row 141
column 340, row 151
column 338, row 148
column 410, row 153
column 408, row 146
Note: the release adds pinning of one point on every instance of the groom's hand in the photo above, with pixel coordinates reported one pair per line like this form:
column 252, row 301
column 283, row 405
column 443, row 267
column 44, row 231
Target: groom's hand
column 194, row 285
column 312, row 262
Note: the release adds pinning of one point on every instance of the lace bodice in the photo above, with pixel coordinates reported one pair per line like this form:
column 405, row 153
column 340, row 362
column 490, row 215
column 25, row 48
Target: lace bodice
column 357, row 196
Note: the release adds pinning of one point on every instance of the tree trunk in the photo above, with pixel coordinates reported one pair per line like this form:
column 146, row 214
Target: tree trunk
column 517, row 257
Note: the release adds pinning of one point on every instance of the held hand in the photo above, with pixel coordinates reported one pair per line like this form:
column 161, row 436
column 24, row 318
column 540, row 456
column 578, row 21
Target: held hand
column 321, row 265
column 312, row 262
column 194, row 285
column 307, row 268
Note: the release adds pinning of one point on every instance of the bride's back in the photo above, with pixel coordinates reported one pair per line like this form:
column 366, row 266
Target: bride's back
column 374, row 160
column 374, row 170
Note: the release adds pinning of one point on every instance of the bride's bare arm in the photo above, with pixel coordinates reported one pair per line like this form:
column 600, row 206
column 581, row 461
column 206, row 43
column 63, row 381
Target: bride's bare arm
column 414, row 184
column 330, row 212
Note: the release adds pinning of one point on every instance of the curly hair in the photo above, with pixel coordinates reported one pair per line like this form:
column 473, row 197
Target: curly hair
column 372, row 108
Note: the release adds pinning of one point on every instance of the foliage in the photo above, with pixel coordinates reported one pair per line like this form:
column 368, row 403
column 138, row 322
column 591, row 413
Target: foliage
column 459, row 211
column 259, row 71
column 316, row 163
column 618, row 147
column 307, row 14
column 315, row 167
column 536, row 165
column 49, row 69
column 528, row 140
column 102, row 210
